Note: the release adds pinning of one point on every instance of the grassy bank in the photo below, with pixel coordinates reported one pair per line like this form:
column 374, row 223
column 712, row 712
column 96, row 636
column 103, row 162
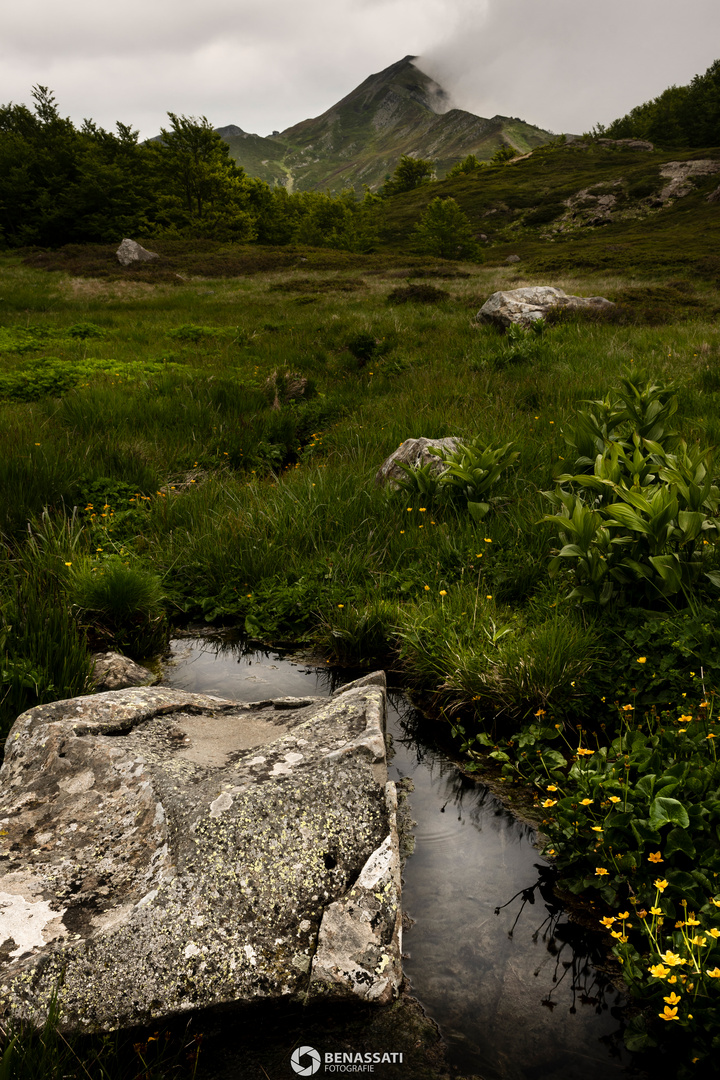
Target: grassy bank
column 206, row 447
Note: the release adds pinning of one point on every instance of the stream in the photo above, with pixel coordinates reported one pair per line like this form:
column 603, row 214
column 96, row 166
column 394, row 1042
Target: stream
column 511, row 982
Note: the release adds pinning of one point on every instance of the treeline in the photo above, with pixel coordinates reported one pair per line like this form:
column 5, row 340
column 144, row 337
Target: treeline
column 682, row 116
column 62, row 184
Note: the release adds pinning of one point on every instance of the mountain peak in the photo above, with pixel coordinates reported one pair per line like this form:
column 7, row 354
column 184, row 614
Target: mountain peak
column 359, row 140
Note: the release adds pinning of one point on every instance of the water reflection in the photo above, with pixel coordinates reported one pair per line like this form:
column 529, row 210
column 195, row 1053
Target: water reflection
column 512, row 983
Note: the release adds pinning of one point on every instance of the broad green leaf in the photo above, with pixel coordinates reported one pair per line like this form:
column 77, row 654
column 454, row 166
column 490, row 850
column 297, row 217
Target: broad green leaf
column 665, row 811
column 678, row 840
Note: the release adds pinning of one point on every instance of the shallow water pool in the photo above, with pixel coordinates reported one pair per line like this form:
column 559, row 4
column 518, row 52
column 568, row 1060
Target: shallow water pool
column 510, row 981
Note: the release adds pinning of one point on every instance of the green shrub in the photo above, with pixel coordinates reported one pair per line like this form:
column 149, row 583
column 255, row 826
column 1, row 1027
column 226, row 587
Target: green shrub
column 120, row 603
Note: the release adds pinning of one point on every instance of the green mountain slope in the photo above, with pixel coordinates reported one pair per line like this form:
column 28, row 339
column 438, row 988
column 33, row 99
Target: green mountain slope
column 590, row 205
column 360, row 139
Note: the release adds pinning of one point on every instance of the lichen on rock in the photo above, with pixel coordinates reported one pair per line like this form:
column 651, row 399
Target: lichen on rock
column 162, row 851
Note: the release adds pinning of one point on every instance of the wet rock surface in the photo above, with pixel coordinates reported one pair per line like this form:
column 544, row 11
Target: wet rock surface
column 165, row 851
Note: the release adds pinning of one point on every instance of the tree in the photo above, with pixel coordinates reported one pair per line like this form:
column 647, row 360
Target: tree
column 503, row 154
column 197, row 160
column 445, row 230
column 469, row 165
column 409, row 174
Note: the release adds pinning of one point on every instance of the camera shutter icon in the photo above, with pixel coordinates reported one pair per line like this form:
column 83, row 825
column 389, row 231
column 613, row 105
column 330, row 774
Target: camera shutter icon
column 299, row 1061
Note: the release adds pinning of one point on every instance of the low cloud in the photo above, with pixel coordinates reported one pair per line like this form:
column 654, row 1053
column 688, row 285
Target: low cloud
column 569, row 66
column 558, row 64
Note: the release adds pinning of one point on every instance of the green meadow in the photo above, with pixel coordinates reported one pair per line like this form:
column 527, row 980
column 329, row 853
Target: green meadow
column 198, row 440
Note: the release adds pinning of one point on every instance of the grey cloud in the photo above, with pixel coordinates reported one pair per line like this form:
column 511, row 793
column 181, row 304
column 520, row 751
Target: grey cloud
column 568, row 65
column 561, row 64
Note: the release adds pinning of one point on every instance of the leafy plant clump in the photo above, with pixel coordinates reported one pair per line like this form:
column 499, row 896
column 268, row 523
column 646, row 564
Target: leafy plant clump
column 119, row 603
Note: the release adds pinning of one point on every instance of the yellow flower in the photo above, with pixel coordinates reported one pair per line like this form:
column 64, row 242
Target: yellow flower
column 615, row 799
column 714, row 901
column 607, row 921
column 668, row 1014
column 627, row 708
column 581, row 752
column 488, row 540
column 699, row 940
column 427, row 588
column 655, row 856
column 341, row 605
column 661, row 884
column 549, row 802
column 601, row 872
column 672, row 959
column 443, row 592
column 642, row 659
column 714, row 973
column 714, row 933
column 656, row 911
column 659, row 971
column 422, row 509
column 684, row 719
column 623, row 914
column 552, row 787
column 692, row 921
column 596, row 828
column 68, row 564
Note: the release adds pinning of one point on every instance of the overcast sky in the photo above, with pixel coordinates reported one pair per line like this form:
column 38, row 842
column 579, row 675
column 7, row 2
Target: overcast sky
column 562, row 64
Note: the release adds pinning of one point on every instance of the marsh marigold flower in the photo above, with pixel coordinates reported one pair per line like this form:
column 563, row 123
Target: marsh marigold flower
column 660, row 884
column 668, row 1014
column 600, row 871
column 659, row 971
column 655, row 856
column 672, row 959
column 582, row 752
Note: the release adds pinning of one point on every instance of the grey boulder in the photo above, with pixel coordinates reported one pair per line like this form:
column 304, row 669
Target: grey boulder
column 162, row 851
column 414, row 453
column 526, row 306
column 113, row 671
column 131, row 252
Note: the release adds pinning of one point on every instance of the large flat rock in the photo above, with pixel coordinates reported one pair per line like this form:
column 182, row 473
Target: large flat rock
column 165, row 851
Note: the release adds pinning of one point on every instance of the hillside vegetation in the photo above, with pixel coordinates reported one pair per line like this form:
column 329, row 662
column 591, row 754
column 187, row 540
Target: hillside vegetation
column 687, row 116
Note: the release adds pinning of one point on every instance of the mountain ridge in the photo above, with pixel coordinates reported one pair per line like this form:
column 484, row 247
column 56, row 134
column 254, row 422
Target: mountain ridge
column 358, row 141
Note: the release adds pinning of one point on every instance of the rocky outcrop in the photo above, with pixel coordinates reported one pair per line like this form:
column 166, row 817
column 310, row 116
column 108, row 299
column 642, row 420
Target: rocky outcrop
column 164, row 851
column 627, row 144
column 414, row 453
column 131, row 252
column 680, row 175
column 526, row 306
column 113, row 671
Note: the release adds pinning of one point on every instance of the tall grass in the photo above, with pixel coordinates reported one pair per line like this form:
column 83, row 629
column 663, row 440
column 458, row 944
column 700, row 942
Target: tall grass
column 270, row 516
